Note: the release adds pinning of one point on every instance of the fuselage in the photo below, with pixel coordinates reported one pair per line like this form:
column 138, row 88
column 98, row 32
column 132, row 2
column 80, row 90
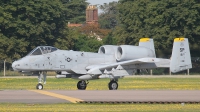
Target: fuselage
column 47, row 58
column 62, row 60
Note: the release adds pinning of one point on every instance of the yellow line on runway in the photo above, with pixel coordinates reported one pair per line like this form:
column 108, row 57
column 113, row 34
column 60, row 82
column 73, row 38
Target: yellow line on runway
column 71, row 99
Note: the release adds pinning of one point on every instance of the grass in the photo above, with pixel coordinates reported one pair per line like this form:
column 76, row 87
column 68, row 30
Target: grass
column 100, row 107
column 124, row 84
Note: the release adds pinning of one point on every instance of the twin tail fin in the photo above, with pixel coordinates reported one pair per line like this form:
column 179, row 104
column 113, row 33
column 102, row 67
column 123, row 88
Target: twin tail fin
column 180, row 59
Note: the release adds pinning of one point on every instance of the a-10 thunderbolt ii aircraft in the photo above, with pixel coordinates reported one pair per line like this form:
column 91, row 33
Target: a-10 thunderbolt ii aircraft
column 111, row 62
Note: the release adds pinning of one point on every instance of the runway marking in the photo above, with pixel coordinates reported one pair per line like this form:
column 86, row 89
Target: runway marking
column 71, row 99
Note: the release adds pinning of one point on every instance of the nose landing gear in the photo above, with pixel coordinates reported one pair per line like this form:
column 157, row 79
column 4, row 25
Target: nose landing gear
column 41, row 78
column 39, row 86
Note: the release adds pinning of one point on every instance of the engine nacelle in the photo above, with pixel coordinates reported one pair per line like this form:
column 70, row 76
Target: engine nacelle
column 127, row 52
column 108, row 49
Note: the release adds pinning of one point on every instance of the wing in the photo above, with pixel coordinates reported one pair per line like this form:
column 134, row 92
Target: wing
column 97, row 69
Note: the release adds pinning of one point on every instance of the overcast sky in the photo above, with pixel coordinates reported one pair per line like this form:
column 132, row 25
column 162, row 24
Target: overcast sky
column 96, row 2
column 99, row 2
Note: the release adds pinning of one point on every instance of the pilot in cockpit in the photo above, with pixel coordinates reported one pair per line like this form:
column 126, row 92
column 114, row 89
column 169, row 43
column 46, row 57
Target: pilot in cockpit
column 42, row 50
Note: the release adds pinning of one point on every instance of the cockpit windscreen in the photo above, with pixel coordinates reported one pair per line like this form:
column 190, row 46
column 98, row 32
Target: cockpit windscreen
column 42, row 50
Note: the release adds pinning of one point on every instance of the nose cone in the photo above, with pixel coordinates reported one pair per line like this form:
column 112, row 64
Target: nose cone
column 15, row 65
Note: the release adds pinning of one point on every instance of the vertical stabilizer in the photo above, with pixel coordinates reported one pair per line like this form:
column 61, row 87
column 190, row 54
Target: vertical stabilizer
column 148, row 43
column 180, row 59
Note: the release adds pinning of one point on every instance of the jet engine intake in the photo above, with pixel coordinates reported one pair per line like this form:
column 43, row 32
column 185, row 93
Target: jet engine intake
column 108, row 49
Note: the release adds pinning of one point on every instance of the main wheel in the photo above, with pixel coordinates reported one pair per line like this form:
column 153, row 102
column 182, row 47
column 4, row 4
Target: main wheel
column 112, row 85
column 39, row 86
column 81, row 85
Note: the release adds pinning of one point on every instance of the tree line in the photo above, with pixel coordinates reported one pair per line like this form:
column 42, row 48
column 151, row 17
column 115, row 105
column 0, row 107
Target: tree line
column 162, row 20
column 27, row 24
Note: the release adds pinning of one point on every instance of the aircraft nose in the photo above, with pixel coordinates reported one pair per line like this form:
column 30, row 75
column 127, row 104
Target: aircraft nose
column 15, row 64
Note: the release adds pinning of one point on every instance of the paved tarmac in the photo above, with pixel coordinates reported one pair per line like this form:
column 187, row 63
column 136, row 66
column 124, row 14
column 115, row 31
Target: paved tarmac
column 65, row 96
column 131, row 76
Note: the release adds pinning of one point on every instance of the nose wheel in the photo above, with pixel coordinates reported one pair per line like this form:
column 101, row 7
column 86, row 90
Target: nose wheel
column 112, row 85
column 39, row 86
column 81, row 85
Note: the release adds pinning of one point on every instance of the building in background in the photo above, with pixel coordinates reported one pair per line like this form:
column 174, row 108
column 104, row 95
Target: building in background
column 91, row 27
column 92, row 14
column 91, row 17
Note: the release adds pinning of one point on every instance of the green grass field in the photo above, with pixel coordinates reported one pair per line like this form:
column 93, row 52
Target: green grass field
column 124, row 84
column 100, row 107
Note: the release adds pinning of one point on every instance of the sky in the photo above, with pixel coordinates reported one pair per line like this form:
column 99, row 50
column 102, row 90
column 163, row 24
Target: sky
column 100, row 2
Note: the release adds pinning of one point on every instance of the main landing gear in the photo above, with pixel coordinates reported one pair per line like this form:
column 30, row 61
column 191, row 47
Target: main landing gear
column 81, row 85
column 113, row 85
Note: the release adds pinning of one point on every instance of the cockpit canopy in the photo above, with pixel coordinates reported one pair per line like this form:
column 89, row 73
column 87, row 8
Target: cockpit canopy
column 42, row 50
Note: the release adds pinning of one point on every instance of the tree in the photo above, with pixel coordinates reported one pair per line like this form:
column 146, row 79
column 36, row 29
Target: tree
column 69, row 42
column 27, row 24
column 75, row 12
column 159, row 19
column 108, row 18
column 88, row 44
column 109, row 40
column 94, row 30
column 79, row 41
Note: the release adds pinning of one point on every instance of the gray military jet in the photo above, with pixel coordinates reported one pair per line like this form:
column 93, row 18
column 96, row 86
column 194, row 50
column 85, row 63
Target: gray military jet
column 111, row 62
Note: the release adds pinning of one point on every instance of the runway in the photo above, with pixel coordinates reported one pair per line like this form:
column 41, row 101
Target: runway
column 115, row 96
